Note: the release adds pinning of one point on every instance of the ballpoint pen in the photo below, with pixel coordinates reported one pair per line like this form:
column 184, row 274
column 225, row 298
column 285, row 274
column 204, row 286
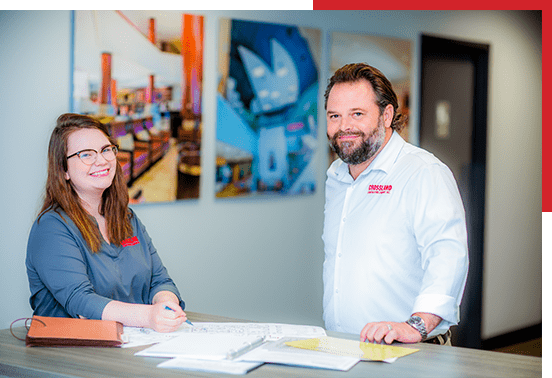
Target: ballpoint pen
column 187, row 320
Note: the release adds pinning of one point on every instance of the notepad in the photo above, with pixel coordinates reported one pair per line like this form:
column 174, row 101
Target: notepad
column 199, row 345
column 52, row 331
column 344, row 347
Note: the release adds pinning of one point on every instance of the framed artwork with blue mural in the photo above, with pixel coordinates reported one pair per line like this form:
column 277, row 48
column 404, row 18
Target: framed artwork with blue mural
column 267, row 109
column 140, row 73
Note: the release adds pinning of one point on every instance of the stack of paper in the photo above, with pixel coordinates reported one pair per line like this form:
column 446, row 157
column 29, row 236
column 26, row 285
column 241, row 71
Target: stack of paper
column 271, row 331
column 206, row 347
column 199, row 346
column 278, row 352
column 221, row 366
column 203, row 352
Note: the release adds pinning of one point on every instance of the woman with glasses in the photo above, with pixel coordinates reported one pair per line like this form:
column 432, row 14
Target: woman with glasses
column 88, row 254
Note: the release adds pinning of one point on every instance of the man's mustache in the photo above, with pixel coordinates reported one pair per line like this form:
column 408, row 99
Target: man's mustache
column 339, row 134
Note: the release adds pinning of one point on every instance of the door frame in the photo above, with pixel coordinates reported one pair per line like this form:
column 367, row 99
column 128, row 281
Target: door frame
column 468, row 333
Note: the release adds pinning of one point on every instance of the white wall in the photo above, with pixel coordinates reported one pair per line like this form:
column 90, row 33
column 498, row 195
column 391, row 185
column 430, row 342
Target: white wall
column 34, row 90
column 262, row 259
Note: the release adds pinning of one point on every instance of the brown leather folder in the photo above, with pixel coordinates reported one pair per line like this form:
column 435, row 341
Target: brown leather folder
column 48, row 331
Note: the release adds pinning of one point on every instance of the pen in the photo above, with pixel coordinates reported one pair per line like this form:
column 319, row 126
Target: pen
column 170, row 309
column 246, row 348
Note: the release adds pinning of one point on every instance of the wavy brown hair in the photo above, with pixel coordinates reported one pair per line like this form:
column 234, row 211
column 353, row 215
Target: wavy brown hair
column 382, row 87
column 60, row 193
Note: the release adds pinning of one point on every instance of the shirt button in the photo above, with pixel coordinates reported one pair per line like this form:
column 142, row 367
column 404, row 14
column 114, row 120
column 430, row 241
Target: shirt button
column 339, row 255
column 336, row 291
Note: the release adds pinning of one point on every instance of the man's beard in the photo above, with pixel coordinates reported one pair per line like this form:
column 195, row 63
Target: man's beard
column 366, row 150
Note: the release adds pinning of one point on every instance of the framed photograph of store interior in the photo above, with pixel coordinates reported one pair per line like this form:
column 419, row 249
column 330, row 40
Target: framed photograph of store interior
column 267, row 106
column 140, row 73
column 392, row 56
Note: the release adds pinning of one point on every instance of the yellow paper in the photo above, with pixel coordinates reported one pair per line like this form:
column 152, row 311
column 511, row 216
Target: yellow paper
column 343, row 347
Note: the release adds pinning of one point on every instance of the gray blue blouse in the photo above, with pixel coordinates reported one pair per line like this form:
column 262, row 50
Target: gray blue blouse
column 67, row 280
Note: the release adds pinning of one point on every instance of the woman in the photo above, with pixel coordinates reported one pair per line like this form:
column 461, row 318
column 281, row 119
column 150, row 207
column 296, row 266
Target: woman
column 88, row 254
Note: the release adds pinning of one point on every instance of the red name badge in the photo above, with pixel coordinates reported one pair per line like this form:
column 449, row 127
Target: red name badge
column 131, row 241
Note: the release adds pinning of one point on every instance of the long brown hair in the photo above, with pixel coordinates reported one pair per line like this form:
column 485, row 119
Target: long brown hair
column 60, row 194
column 382, row 87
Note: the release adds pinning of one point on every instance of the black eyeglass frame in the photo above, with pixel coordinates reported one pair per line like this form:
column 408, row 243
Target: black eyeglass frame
column 113, row 146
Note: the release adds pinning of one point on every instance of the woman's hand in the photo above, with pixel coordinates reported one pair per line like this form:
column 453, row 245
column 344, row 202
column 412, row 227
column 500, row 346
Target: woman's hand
column 166, row 316
column 163, row 315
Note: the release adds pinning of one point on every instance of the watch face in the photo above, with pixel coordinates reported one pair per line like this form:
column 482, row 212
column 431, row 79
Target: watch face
column 418, row 323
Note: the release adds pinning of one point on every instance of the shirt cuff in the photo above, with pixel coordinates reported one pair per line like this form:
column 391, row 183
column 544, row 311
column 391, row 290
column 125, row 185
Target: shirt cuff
column 92, row 307
column 443, row 306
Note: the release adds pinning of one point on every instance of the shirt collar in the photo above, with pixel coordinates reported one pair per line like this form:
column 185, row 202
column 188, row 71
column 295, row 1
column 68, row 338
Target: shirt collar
column 388, row 155
column 384, row 161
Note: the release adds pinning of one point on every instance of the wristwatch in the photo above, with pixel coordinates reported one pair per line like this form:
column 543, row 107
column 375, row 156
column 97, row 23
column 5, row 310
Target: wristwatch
column 419, row 325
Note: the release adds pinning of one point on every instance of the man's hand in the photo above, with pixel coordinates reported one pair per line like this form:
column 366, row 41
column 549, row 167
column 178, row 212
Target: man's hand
column 389, row 332
column 401, row 332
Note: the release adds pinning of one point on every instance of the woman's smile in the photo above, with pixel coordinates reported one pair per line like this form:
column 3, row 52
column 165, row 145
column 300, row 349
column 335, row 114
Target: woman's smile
column 102, row 173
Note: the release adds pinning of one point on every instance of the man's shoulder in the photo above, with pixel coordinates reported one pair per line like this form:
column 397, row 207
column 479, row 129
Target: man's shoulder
column 415, row 163
column 417, row 156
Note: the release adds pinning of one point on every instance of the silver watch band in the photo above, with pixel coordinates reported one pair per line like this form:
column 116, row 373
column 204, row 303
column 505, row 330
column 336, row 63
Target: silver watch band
column 418, row 324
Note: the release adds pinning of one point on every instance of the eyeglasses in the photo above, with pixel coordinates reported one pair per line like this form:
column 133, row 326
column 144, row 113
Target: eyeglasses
column 90, row 156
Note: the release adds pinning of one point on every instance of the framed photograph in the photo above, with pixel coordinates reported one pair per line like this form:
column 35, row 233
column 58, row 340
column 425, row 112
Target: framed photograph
column 140, row 73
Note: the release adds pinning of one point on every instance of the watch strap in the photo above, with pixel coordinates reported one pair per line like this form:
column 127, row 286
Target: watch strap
column 418, row 324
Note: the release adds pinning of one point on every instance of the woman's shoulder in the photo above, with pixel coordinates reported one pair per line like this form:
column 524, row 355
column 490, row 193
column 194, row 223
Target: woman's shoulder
column 135, row 221
column 52, row 222
column 133, row 218
column 137, row 225
column 52, row 217
column 52, row 231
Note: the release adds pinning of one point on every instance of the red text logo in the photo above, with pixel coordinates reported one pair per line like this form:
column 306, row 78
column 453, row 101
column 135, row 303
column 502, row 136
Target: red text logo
column 379, row 189
column 131, row 241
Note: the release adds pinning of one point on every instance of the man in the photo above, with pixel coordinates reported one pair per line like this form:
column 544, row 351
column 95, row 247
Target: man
column 394, row 231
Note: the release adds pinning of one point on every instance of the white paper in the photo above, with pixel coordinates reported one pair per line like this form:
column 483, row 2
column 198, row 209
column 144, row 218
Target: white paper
column 222, row 366
column 198, row 345
column 145, row 336
column 279, row 353
column 272, row 331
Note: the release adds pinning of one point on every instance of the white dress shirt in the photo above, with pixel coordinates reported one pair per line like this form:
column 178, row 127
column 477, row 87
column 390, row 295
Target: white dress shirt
column 395, row 241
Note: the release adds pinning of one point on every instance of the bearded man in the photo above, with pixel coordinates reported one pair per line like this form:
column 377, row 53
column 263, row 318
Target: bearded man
column 395, row 239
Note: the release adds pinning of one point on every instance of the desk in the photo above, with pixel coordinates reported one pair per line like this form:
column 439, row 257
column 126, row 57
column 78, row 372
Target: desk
column 16, row 360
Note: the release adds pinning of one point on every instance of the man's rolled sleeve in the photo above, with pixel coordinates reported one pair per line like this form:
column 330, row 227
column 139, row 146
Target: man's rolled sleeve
column 443, row 306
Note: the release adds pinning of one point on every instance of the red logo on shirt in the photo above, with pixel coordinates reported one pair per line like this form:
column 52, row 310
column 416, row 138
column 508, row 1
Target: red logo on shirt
column 131, row 241
column 379, row 189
